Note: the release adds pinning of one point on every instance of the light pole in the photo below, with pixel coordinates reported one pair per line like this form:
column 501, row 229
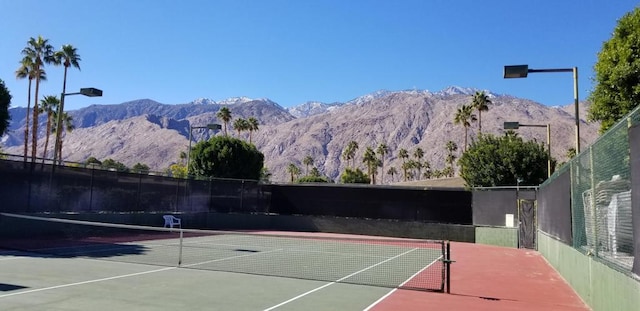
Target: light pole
column 521, row 71
column 516, row 125
column 211, row 126
column 90, row 92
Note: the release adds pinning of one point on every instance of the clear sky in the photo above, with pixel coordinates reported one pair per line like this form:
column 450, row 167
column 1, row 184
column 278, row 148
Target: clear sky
column 293, row 51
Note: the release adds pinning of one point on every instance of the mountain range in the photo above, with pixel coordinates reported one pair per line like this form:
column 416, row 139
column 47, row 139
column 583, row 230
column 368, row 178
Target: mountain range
column 153, row 133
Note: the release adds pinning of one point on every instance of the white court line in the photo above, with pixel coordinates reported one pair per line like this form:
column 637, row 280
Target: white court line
column 122, row 276
column 85, row 282
column 337, row 281
column 405, row 282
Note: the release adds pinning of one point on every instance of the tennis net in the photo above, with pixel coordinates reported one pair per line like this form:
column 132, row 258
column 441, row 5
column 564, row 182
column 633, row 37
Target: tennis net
column 386, row 262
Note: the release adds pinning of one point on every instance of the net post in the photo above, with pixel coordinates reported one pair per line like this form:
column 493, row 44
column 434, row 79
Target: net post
column 448, row 263
column 180, row 249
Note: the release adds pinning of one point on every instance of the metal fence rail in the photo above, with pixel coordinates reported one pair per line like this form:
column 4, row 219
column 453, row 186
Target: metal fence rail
column 601, row 197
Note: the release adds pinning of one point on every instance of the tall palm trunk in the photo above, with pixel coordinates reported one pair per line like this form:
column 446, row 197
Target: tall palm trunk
column 46, row 141
column 58, row 142
column 465, row 138
column 479, row 121
column 26, row 125
column 34, row 133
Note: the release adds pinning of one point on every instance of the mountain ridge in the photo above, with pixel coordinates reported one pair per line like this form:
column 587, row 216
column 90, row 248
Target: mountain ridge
column 153, row 133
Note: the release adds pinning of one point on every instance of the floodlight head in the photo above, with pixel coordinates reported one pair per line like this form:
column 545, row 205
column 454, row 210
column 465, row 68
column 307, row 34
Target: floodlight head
column 516, row 71
column 511, row 125
column 91, row 92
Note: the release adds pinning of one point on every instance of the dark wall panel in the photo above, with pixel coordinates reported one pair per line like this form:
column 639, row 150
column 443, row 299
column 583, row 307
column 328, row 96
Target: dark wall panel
column 445, row 206
column 554, row 208
column 490, row 206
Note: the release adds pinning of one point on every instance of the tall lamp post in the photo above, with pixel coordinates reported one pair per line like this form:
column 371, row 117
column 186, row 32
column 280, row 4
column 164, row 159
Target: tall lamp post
column 90, row 92
column 521, row 71
column 516, row 125
column 211, row 126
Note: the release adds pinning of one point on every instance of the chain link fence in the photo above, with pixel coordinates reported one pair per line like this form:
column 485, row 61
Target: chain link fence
column 601, row 217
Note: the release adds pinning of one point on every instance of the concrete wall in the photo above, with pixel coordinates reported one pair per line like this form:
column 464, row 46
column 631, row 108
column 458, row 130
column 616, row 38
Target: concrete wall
column 498, row 236
column 601, row 287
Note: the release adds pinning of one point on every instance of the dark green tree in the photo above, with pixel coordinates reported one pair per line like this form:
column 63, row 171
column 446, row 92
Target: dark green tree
column 226, row 157
column 354, row 176
column 48, row 106
column 112, row 164
column 349, row 153
column 451, row 158
column 313, row 177
column 382, row 150
column 265, row 175
column 253, row 125
column 392, row 171
column 224, row 114
column 418, row 154
column 404, row 155
column 40, row 52
column 481, row 103
column 464, row 116
column 5, row 102
column 140, row 168
column 240, row 124
column 67, row 56
column 307, row 161
column 499, row 161
column 293, row 170
column 617, row 73
column 371, row 162
column 93, row 160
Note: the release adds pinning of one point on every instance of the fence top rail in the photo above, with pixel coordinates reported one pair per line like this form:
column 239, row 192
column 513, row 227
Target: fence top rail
column 507, row 188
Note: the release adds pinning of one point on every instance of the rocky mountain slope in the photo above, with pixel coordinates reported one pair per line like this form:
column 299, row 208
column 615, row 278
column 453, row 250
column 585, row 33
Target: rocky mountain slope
column 155, row 134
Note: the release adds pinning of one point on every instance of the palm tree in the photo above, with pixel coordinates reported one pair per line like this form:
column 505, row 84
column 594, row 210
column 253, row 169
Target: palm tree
column 481, row 103
column 48, row 105
column 240, row 125
column 451, row 147
column 427, row 170
column 253, row 126
column 67, row 123
column 418, row 154
column 40, row 52
column 67, row 56
column 382, row 150
column 26, row 70
column 392, row 171
column 293, row 170
column 372, row 162
column 404, row 155
column 224, row 114
column 308, row 160
column 464, row 116
column 406, row 168
column 349, row 153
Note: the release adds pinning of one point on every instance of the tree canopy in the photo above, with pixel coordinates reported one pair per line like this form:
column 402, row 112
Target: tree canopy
column 226, row 157
column 354, row 176
column 617, row 73
column 500, row 161
column 116, row 165
column 5, row 101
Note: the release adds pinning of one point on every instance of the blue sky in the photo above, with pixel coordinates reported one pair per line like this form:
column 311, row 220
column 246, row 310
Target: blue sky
column 309, row 50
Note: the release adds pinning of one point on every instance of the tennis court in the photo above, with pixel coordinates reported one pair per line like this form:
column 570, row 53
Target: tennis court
column 75, row 265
